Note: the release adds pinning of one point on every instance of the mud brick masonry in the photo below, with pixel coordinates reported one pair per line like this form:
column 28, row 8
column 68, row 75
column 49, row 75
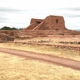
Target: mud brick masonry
column 51, row 25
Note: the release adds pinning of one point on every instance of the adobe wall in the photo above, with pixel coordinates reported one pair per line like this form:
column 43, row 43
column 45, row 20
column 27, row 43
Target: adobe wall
column 49, row 33
column 52, row 23
column 49, row 23
column 4, row 37
column 37, row 21
column 33, row 23
column 71, row 32
column 42, row 32
column 11, row 33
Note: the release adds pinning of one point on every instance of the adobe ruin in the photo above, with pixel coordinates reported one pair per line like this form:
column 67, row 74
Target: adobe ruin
column 4, row 37
column 51, row 25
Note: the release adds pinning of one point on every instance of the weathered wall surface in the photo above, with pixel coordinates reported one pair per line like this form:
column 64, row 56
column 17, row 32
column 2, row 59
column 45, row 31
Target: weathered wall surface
column 51, row 25
column 11, row 33
column 49, row 32
column 5, row 37
column 33, row 24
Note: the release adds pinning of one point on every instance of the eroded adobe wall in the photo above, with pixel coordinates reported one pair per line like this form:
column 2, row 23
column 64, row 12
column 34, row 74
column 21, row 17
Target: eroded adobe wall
column 11, row 33
column 49, row 32
column 55, row 22
column 4, row 37
column 42, row 32
column 33, row 24
column 40, row 26
column 52, row 23
column 37, row 21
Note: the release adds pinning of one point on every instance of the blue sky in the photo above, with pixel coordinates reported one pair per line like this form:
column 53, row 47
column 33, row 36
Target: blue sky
column 18, row 13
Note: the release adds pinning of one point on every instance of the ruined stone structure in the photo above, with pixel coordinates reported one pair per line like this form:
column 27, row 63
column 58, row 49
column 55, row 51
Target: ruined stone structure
column 11, row 33
column 51, row 25
column 4, row 37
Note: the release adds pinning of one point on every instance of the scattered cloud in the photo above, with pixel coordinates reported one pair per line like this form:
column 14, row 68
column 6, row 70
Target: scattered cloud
column 71, row 15
column 71, row 9
column 18, row 13
column 3, row 19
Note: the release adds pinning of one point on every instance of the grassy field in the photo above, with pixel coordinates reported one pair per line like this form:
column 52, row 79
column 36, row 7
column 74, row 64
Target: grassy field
column 17, row 68
column 66, row 53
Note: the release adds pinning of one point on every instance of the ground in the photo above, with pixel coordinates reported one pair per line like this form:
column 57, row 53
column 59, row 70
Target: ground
column 19, row 68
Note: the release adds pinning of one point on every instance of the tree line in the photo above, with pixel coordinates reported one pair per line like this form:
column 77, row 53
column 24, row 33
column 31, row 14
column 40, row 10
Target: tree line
column 9, row 28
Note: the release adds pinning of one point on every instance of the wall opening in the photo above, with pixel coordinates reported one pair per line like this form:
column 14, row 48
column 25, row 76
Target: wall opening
column 56, row 20
column 38, row 22
column 56, row 29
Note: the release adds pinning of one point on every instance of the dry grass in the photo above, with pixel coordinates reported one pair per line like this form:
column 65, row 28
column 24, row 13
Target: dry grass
column 52, row 40
column 66, row 53
column 17, row 68
column 55, row 39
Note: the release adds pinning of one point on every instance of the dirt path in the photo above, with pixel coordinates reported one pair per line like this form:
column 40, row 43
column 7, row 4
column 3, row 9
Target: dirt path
column 48, row 58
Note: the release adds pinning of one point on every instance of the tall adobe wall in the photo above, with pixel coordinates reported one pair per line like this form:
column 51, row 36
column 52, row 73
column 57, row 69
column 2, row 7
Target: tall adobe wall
column 33, row 24
column 52, row 23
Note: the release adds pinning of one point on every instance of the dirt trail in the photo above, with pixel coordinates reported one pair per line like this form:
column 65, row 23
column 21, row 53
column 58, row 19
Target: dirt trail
column 48, row 58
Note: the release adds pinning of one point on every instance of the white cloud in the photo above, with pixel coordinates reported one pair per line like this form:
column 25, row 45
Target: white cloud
column 17, row 13
column 39, row 4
